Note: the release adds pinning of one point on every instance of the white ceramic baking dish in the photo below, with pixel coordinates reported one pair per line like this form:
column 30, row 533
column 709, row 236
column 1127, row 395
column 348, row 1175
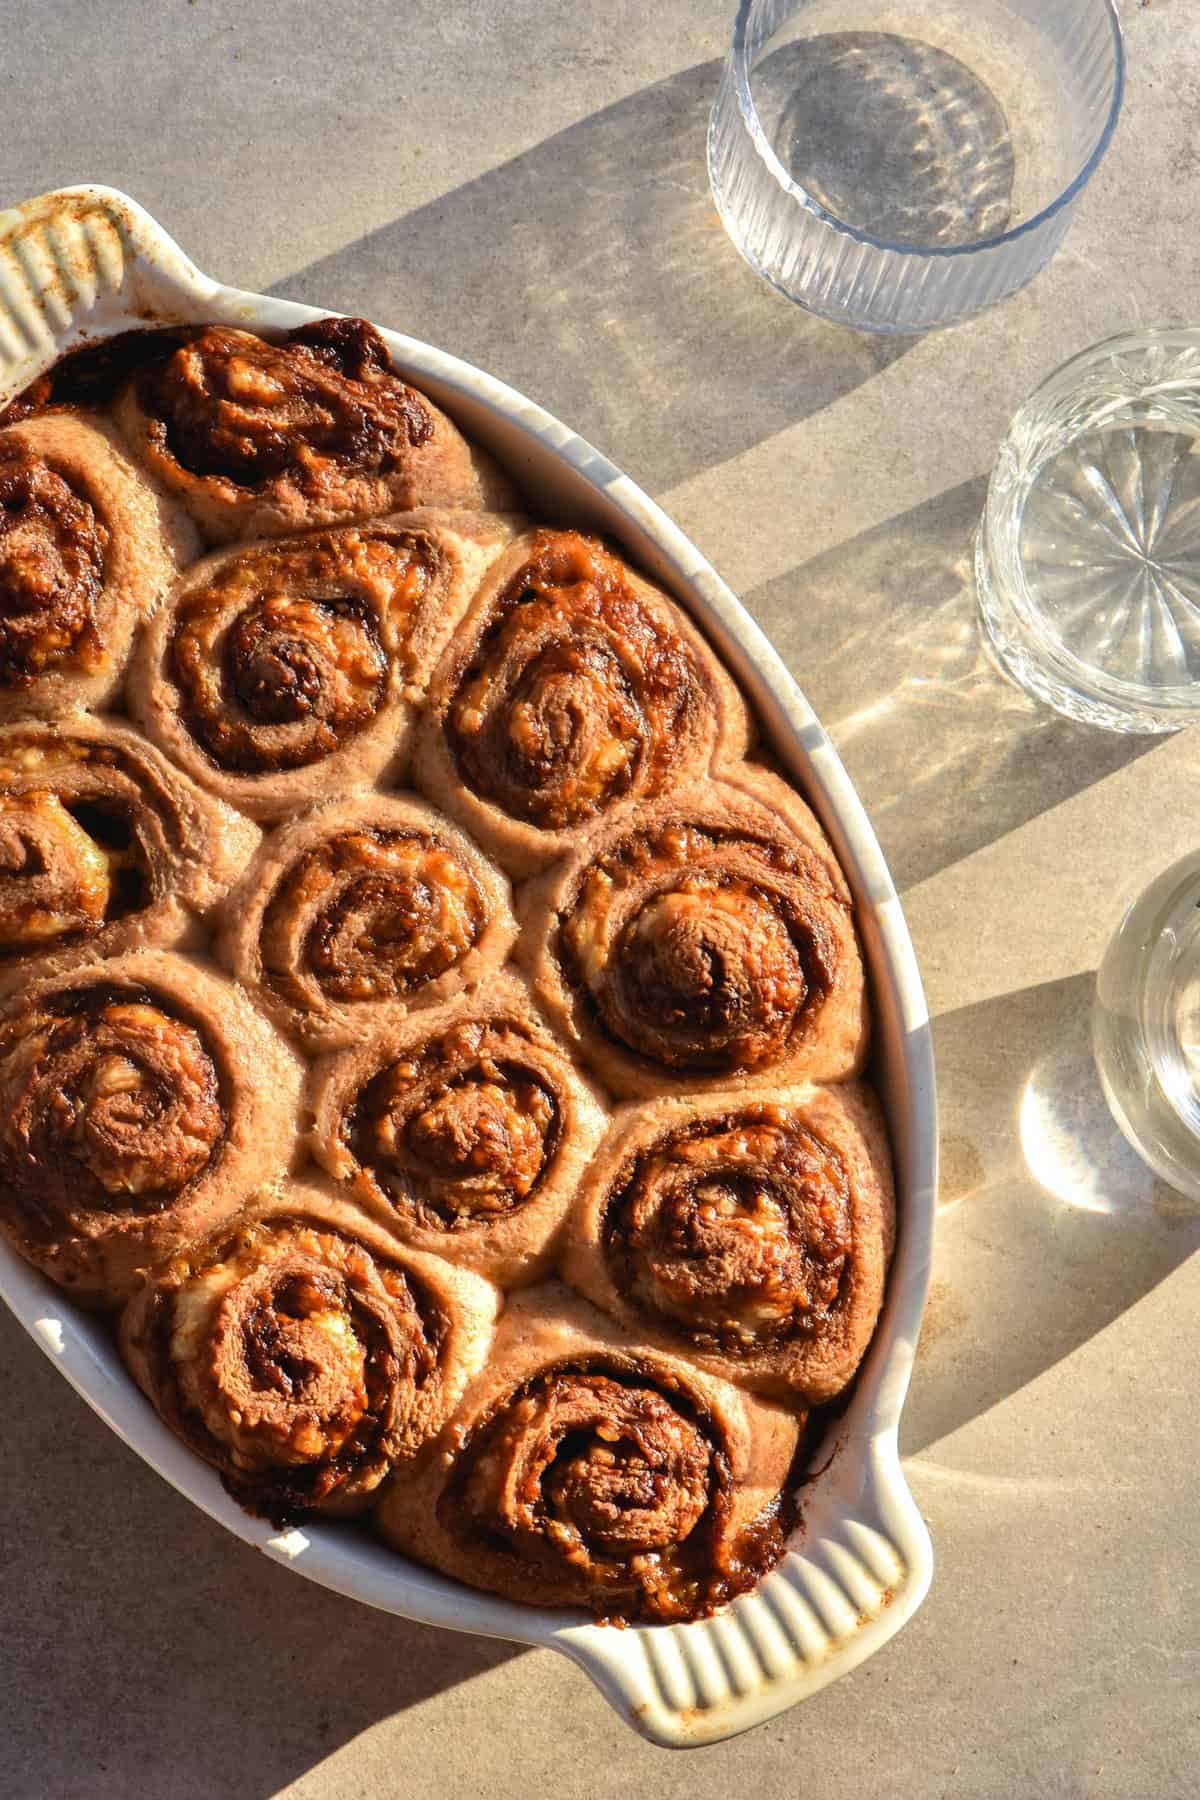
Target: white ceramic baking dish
column 86, row 262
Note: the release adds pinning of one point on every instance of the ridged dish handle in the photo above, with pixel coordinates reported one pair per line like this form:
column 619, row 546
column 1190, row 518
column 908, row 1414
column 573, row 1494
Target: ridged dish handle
column 862, row 1568
column 74, row 263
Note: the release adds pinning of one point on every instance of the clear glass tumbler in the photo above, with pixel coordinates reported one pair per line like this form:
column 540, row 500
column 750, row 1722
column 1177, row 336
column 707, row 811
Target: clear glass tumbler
column 1087, row 561
column 1146, row 1026
column 900, row 164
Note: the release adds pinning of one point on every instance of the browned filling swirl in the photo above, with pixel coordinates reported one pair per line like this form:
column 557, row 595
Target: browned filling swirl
column 52, row 569
column 284, row 654
column 55, row 880
column 295, row 1361
column 108, row 1103
column 700, row 947
column 370, row 915
column 89, row 833
column 734, row 1231
column 613, row 1480
column 461, row 1129
column 577, row 692
column 92, row 375
column 230, row 405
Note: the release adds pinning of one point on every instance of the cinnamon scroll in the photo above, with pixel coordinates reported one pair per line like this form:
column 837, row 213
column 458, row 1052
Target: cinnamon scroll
column 285, row 673
column 354, row 915
column 142, row 1100
column 702, row 939
column 261, row 438
column 304, row 1356
column 583, row 1469
column 104, row 847
column 751, row 1235
column 572, row 685
column 465, row 1129
column 88, row 547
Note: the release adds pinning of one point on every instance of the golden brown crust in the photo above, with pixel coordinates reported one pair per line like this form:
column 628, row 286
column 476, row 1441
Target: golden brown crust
column 586, row 1469
column 572, row 686
column 286, row 672
column 88, row 548
column 262, row 438
column 104, row 847
column 355, row 915
column 465, row 1130
column 141, row 1101
column 302, row 1354
column 700, row 942
column 752, row 1235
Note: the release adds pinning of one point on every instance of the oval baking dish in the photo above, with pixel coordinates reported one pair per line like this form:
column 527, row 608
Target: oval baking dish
column 86, row 262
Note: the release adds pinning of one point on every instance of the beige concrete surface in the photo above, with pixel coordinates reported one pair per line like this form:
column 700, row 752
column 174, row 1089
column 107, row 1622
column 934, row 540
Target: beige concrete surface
column 524, row 183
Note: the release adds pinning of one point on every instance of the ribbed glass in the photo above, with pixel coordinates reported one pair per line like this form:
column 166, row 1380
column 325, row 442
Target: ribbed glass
column 901, row 164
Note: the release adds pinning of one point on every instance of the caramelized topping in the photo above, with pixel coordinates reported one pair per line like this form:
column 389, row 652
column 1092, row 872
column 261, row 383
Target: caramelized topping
column 616, row 1481
column 52, row 561
column 735, row 1231
column 284, row 654
column 229, row 405
column 90, row 831
column 107, row 1101
column 92, row 375
column 461, row 1129
column 717, row 965
column 55, row 880
column 296, row 1362
column 380, row 912
column 578, row 690
column 701, row 947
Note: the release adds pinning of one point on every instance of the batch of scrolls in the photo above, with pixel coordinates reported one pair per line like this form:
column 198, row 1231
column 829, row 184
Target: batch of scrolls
column 428, row 1027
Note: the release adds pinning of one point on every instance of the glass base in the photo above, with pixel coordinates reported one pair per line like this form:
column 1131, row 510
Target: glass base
column 1024, row 661
column 1087, row 562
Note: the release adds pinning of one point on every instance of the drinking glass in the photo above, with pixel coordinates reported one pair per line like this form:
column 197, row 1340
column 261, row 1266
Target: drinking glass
column 1087, row 561
column 1146, row 1026
column 900, row 164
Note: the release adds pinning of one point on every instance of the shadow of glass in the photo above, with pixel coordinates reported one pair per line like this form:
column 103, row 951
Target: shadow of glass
column 947, row 754
column 1050, row 1227
column 593, row 273
column 890, row 135
column 1072, row 1146
column 143, row 1650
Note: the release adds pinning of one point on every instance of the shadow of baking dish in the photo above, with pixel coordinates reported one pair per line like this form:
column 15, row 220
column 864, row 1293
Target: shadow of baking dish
column 619, row 284
column 196, row 1665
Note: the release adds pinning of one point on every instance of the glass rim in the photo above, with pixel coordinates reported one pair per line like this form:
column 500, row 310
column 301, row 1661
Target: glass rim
column 1130, row 337
column 739, row 65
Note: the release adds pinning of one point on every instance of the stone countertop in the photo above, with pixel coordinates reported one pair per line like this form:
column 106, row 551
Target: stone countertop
column 525, row 185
